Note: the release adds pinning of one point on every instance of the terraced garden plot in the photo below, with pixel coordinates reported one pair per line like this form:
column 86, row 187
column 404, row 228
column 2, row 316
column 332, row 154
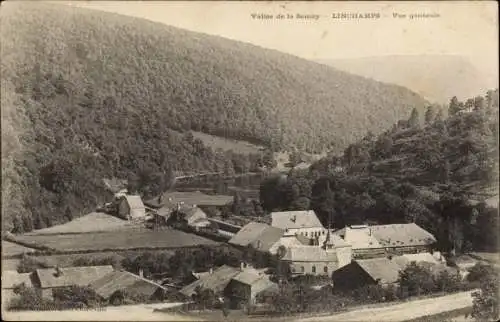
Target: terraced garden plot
column 116, row 240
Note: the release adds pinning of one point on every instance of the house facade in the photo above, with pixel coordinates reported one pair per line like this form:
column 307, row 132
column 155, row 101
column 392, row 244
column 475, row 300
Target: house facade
column 312, row 260
column 244, row 288
column 304, row 223
column 383, row 240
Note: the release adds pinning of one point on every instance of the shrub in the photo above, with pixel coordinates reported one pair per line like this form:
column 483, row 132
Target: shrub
column 416, row 279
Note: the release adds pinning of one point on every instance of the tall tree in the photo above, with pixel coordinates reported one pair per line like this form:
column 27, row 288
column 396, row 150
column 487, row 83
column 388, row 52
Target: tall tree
column 454, row 106
column 414, row 120
column 430, row 115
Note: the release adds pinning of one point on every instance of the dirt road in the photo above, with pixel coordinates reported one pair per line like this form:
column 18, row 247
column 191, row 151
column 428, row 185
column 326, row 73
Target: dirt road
column 395, row 312
column 402, row 311
column 116, row 313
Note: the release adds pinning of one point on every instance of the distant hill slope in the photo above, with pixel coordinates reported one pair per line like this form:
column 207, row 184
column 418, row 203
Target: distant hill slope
column 437, row 78
column 88, row 95
column 200, row 82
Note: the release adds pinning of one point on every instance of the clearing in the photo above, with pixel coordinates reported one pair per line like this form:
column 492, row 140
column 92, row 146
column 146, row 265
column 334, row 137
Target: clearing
column 93, row 222
column 225, row 144
column 12, row 249
column 116, row 240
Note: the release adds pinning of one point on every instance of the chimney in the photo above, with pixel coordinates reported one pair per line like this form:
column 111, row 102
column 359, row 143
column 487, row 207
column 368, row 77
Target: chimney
column 211, row 270
column 141, row 272
column 242, row 265
column 58, row 272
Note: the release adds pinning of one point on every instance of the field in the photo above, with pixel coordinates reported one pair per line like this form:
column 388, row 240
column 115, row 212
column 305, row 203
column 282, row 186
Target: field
column 67, row 260
column 116, row 240
column 11, row 249
column 225, row 144
column 93, row 222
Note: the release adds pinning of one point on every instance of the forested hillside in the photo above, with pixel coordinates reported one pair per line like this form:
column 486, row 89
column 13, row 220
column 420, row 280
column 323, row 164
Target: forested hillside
column 440, row 173
column 87, row 95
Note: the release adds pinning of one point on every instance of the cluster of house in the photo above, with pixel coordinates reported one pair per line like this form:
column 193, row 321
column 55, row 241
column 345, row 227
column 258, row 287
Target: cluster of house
column 104, row 280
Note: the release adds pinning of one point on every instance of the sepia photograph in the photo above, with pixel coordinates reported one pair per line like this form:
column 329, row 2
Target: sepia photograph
column 250, row 161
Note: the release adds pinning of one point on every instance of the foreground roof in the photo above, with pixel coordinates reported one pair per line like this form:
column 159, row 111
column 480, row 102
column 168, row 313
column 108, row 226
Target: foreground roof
column 381, row 269
column 81, row 276
column 11, row 279
column 122, row 280
column 258, row 235
column 295, row 219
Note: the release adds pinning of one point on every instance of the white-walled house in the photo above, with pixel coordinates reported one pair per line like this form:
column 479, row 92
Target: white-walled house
column 304, row 223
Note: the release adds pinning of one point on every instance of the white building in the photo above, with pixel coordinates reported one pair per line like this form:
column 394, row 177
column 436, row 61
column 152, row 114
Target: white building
column 304, row 223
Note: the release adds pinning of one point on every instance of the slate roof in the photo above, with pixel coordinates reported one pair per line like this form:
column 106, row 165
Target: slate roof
column 382, row 269
column 397, row 235
column 406, row 259
column 357, row 237
column 295, row 219
column 122, row 280
column 11, row 279
column 258, row 235
column 217, row 281
column 81, row 276
column 309, row 254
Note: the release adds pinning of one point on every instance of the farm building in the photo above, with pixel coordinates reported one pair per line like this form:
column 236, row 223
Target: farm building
column 48, row 279
column 129, row 283
column 298, row 222
column 131, row 207
column 343, row 250
column 312, row 260
column 216, row 280
column 11, row 280
column 244, row 288
column 380, row 240
column 259, row 236
column 404, row 238
column 194, row 217
column 363, row 272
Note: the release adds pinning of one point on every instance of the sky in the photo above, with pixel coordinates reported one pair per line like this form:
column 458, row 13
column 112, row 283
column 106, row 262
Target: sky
column 464, row 28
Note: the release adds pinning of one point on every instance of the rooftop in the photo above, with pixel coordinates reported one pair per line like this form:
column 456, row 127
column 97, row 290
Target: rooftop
column 216, row 281
column 68, row 276
column 402, row 235
column 381, row 269
column 295, row 219
column 309, row 254
column 120, row 280
column 260, row 236
column 358, row 237
column 11, row 279
column 134, row 201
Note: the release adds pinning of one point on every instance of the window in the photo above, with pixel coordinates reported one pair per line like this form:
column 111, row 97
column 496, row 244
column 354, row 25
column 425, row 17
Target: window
column 306, row 233
column 325, row 269
column 302, row 269
column 313, row 269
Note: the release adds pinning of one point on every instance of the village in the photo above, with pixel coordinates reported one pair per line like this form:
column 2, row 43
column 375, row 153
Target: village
column 274, row 249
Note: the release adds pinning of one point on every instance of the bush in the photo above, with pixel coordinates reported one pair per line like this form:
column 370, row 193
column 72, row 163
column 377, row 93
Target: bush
column 416, row 280
column 30, row 264
column 446, row 282
column 76, row 296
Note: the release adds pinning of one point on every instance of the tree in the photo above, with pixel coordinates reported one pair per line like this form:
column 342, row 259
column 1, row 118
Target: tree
column 439, row 116
column 18, row 227
column 414, row 120
column 416, row 279
column 478, row 103
column 430, row 115
column 485, row 301
column 454, row 106
column 68, row 214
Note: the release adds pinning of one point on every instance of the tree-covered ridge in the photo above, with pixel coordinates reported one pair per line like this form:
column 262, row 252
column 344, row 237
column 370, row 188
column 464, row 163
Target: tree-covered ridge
column 434, row 173
column 200, row 82
column 87, row 95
